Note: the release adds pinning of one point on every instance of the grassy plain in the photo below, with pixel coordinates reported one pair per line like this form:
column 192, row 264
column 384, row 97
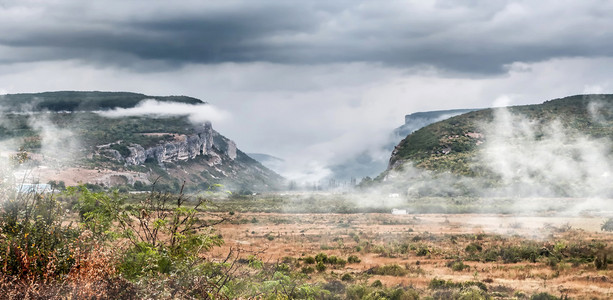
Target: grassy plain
column 448, row 254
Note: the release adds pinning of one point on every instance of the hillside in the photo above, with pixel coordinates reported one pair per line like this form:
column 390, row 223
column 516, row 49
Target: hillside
column 418, row 120
column 68, row 140
column 564, row 143
column 81, row 101
column 449, row 145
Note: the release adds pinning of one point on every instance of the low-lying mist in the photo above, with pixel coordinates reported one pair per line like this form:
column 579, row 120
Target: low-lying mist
column 522, row 165
column 197, row 113
column 45, row 145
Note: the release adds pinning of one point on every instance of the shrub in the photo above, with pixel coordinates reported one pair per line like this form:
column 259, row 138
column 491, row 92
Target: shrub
column 309, row 260
column 334, row 260
column 379, row 292
column 43, row 255
column 36, row 242
column 347, row 277
column 457, row 265
column 352, row 259
column 163, row 234
column 282, row 268
column 391, row 270
column 422, row 251
column 473, row 248
column 601, row 262
column 543, row 296
column 97, row 210
column 436, row 284
column 320, row 267
column 607, row 225
column 321, row 257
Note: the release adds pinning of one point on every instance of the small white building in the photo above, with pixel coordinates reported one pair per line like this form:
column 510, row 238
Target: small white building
column 396, row 211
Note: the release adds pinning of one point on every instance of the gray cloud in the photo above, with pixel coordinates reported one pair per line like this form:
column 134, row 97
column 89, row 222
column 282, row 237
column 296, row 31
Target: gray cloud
column 459, row 36
column 313, row 82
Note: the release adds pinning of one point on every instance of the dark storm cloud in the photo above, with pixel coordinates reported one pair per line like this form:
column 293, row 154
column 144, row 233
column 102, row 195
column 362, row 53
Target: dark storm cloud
column 459, row 36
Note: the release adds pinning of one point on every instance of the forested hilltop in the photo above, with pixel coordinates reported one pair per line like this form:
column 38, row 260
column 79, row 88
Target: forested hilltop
column 65, row 135
column 81, row 101
column 452, row 144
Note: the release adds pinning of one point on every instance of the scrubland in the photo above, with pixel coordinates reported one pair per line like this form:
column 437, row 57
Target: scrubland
column 105, row 245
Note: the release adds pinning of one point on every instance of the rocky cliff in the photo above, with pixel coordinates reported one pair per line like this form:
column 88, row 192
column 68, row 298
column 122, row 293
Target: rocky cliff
column 182, row 147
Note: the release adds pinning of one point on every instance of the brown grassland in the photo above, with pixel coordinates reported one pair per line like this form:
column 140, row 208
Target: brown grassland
column 80, row 244
column 427, row 247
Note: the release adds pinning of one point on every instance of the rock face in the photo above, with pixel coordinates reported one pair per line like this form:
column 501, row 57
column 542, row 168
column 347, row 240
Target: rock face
column 417, row 120
column 182, row 148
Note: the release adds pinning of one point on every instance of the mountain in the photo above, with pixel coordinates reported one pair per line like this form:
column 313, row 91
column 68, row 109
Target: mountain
column 68, row 139
column 371, row 163
column 81, row 101
column 561, row 147
column 418, row 120
column 449, row 145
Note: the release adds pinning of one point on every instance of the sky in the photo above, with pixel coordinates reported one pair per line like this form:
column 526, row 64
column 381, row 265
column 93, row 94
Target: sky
column 312, row 82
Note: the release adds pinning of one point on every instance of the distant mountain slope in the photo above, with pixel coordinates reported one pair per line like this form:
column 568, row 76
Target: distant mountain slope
column 374, row 162
column 418, row 120
column 272, row 162
column 452, row 144
column 75, row 144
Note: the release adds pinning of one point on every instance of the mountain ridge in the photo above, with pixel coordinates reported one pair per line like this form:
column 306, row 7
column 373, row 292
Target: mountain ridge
column 70, row 135
column 449, row 145
column 82, row 100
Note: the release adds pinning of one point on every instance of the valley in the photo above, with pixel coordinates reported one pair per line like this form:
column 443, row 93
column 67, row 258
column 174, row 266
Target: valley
column 506, row 203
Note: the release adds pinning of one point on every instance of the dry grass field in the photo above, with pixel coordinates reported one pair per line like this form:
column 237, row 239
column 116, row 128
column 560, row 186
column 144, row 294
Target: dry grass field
column 508, row 256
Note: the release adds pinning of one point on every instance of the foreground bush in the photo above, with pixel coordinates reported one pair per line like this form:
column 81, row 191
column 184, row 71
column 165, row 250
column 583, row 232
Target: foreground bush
column 47, row 252
column 44, row 255
column 163, row 234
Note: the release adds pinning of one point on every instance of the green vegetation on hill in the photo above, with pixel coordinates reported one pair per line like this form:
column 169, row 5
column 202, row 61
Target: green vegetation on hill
column 451, row 145
column 92, row 129
column 68, row 121
column 81, row 101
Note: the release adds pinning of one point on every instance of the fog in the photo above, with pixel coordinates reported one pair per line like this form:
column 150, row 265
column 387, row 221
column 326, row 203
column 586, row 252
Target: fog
column 196, row 113
column 531, row 165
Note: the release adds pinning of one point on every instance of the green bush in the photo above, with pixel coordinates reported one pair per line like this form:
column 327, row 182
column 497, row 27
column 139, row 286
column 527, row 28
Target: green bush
column 436, row 284
column 543, row 296
column 97, row 210
column 321, row 257
column 337, row 261
column 352, row 259
column 161, row 224
column 309, row 260
column 320, row 267
column 422, row 251
column 473, row 248
column 358, row 291
column 347, row 277
column 457, row 265
column 36, row 240
column 607, row 225
column 391, row 270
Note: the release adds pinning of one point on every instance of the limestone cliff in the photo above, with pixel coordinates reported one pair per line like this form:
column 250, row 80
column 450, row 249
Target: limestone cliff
column 183, row 147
